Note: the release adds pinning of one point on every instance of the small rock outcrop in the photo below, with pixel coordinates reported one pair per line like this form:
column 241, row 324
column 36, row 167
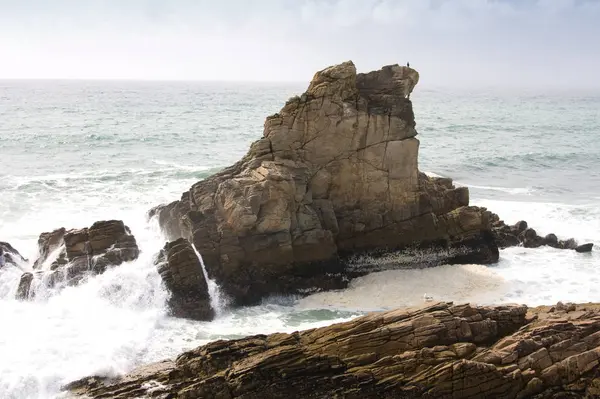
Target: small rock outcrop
column 181, row 272
column 24, row 286
column 443, row 351
column 334, row 176
column 70, row 255
column 11, row 255
column 521, row 234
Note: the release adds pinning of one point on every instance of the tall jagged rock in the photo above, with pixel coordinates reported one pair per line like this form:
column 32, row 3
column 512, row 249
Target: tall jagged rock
column 334, row 175
column 443, row 351
column 181, row 271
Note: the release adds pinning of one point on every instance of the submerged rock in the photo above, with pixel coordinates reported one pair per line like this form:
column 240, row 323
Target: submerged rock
column 334, row 176
column 72, row 254
column 181, row 271
column 442, row 351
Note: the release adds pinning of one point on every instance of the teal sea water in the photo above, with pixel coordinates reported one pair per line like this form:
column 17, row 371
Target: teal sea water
column 75, row 152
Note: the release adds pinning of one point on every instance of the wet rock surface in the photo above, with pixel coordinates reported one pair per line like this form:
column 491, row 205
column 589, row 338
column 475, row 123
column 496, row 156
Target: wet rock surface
column 181, row 272
column 11, row 255
column 442, row 351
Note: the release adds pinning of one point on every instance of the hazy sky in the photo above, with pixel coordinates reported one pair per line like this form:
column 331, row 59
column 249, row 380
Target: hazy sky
column 450, row 42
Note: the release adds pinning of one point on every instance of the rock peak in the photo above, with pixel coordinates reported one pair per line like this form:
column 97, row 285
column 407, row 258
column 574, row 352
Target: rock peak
column 342, row 80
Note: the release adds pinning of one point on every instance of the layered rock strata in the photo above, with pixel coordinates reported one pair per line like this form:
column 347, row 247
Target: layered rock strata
column 181, row 272
column 443, row 351
column 334, row 176
column 69, row 255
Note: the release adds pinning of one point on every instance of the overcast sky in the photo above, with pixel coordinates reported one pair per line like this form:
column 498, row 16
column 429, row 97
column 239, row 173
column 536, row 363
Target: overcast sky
column 451, row 42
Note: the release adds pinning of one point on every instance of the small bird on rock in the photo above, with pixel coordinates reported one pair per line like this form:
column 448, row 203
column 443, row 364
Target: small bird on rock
column 427, row 298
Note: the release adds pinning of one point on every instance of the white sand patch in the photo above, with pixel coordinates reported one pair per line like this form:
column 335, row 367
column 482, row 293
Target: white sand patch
column 399, row 288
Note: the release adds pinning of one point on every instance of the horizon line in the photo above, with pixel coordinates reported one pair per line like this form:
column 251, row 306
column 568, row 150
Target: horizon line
column 422, row 85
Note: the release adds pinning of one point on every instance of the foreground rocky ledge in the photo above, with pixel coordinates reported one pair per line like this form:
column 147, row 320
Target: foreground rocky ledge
column 442, row 351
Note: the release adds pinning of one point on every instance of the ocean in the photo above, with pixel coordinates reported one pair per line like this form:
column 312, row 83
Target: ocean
column 74, row 152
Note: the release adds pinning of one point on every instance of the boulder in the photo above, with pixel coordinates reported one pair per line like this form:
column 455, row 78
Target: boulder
column 72, row 254
column 11, row 255
column 442, row 351
column 181, row 272
column 334, row 176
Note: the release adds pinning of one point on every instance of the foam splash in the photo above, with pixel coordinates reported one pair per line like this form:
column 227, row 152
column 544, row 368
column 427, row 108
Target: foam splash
column 218, row 300
column 580, row 221
column 509, row 190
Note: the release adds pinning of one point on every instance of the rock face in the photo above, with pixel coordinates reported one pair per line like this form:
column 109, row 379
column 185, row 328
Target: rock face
column 11, row 255
column 521, row 234
column 69, row 255
column 443, row 351
column 181, row 271
column 334, row 176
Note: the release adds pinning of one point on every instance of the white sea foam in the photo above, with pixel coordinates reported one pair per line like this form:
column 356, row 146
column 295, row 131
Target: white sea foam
column 580, row 221
column 432, row 174
column 175, row 165
column 509, row 190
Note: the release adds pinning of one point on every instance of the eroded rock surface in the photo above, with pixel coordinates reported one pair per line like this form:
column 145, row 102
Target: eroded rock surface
column 70, row 255
column 181, row 271
column 443, row 351
column 334, row 176
column 521, row 234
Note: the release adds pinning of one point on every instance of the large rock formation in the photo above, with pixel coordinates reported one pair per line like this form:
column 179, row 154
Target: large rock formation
column 181, row 271
column 443, row 351
column 334, row 176
column 70, row 255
